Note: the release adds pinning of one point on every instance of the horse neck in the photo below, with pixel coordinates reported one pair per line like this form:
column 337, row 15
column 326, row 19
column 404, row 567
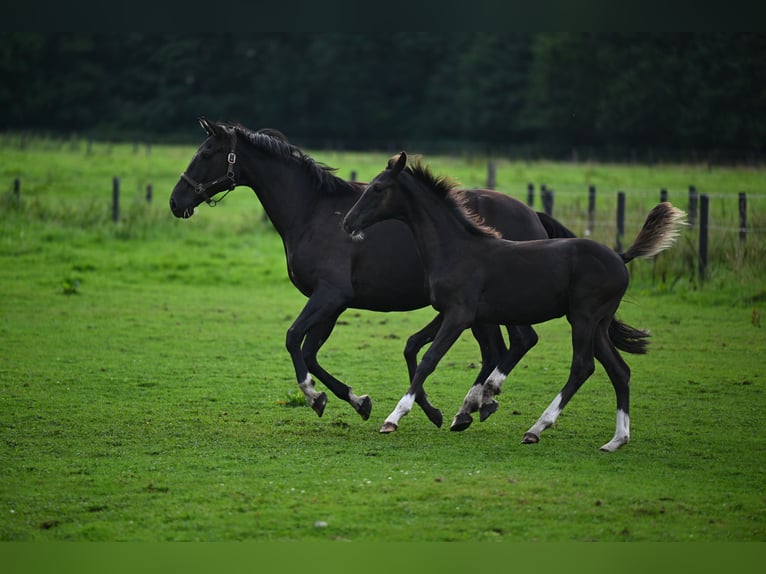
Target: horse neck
column 285, row 192
column 438, row 233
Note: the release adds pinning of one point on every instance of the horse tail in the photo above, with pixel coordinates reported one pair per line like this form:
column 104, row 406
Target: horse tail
column 553, row 227
column 627, row 338
column 659, row 232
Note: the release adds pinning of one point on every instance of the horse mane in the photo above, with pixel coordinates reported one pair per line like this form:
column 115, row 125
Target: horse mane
column 274, row 143
column 447, row 189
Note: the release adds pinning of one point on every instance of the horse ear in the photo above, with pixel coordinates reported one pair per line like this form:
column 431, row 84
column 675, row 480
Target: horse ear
column 396, row 164
column 207, row 126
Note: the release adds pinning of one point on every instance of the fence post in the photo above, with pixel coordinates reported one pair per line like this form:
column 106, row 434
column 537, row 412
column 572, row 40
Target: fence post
column 547, row 197
column 531, row 194
column 703, row 236
column 149, row 193
column 742, row 216
column 353, row 175
column 591, row 209
column 116, row 199
column 663, row 195
column 620, row 218
column 692, row 206
column 17, row 189
column 491, row 175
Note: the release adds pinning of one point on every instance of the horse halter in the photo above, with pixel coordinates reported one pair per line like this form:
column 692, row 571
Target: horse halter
column 201, row 188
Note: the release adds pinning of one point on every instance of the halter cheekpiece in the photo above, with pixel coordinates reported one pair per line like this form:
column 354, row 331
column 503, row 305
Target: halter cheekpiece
column 202, row 188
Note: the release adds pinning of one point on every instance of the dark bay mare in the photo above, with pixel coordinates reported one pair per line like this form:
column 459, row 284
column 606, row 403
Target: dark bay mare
column 474, row 276
column 306, row 204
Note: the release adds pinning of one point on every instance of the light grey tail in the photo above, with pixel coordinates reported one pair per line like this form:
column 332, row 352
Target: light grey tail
column 659, row 232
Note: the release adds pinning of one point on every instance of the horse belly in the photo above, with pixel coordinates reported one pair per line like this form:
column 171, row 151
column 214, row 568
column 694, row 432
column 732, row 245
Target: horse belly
column 507, row 309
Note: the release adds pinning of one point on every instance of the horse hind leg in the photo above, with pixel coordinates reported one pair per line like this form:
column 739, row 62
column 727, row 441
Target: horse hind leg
column 619, row 373
column 582, row 367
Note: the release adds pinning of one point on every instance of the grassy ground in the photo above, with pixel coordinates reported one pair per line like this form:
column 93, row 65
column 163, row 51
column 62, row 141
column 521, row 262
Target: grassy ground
column 145, row 393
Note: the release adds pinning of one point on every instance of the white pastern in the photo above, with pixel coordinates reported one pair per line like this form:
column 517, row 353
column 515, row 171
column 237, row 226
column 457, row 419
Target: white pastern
column 621, row 432
column 307, row 387
column 493, row 386
column 472, row 400
column 402, row 408
column 548, row 417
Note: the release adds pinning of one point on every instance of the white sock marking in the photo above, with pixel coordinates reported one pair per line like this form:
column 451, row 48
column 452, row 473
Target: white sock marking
column 307, row 386
column 402, row 408
column 548, row 417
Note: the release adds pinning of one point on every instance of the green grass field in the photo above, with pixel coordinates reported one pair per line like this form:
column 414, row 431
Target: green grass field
column 145, row 393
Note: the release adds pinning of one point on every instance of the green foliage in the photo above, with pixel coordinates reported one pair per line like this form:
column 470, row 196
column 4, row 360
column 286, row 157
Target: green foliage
column 146, row 407
column 601, row 95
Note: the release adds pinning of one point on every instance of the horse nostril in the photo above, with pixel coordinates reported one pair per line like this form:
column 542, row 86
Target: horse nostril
column 172, row 204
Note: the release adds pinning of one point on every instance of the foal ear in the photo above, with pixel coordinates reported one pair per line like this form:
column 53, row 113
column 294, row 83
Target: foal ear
column 209, row 128
column 397, row 163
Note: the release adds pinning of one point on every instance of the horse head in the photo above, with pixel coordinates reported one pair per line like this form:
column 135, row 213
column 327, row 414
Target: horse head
column 210, row 171
column 378, row 201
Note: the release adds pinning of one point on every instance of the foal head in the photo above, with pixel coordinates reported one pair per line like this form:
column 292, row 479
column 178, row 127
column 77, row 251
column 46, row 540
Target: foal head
column 380, row 200
column 388, row 194
column 211, row 170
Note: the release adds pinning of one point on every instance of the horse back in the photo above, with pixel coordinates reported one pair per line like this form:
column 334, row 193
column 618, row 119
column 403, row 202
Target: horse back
column 511, row 217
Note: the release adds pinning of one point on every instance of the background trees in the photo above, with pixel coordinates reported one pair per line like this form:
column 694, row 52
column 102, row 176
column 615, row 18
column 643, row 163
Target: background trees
column 605, row 95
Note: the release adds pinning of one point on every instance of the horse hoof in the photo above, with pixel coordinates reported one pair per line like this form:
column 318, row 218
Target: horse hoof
column 320, row 402
column 436, row 417
column 461, row 422
column 530, row 438
column 365, row 407
column 388, row 427
column 487, row 409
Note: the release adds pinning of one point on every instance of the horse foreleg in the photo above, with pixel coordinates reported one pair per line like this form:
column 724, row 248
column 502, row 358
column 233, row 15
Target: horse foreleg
column 448, row 333
column 414, row 344
column 322, row 306
column 482, row 398
column 315, row 338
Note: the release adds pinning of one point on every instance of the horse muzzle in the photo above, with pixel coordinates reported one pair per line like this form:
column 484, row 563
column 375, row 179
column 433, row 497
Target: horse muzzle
column 178, row 211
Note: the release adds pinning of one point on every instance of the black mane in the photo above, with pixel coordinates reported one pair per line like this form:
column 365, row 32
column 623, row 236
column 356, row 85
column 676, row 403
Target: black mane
column 274, row 143
column 447, row 189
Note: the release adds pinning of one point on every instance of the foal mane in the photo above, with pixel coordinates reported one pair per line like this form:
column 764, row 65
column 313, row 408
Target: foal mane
column 446, row 189
column 274, row 143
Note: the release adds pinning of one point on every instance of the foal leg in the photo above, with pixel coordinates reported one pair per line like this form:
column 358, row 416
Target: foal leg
column 411, row 350
column 619, row 373
column 315, row 338
column 582, row 367
column 481, row 396
column 448, row 333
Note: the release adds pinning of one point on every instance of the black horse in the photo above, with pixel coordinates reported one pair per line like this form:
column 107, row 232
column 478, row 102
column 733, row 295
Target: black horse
column 474, row 276
column 306, row 204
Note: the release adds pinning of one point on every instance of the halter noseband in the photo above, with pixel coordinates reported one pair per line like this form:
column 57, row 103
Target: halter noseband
column 201, row 188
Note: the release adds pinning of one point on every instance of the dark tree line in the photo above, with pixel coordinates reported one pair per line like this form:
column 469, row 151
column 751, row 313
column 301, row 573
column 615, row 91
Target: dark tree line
column 544, row 93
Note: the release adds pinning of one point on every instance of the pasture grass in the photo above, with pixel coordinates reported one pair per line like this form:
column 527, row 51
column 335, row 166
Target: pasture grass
column 145, row 393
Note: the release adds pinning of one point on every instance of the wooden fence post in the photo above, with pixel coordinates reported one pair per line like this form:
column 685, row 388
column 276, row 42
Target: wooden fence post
column 491, row 175
column 149, row 193
column 17, row 189
column 531, row 194
column 620, row 218
column 663, row 195
column 703, row 236
column 591, row 209
column 353, row 175
column 742, row 216
column 547, row 197
column 692, row 206
column 116, row 199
